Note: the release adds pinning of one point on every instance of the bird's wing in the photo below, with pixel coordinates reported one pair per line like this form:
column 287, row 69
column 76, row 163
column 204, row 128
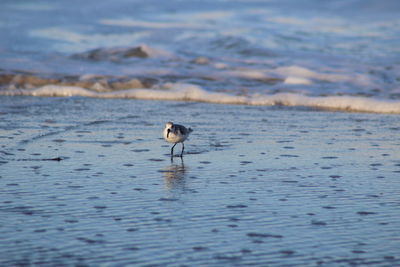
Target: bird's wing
column 182, row 129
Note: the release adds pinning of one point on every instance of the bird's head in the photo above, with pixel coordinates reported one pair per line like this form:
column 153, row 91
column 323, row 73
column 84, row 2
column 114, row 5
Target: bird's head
column 169, row 125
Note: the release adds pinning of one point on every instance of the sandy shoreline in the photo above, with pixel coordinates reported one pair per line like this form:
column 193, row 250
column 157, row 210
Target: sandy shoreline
column 258, row 185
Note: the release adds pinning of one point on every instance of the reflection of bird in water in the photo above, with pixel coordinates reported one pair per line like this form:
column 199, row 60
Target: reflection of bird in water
column 175, row 133
column 174, row 175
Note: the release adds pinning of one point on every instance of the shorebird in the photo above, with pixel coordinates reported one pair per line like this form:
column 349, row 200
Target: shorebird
column 175, row 133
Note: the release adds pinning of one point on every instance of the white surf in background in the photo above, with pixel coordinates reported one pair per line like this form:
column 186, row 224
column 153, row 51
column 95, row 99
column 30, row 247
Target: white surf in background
column 341, row 55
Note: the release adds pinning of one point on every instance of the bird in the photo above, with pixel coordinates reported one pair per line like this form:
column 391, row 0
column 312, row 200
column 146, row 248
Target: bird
column 175, row 133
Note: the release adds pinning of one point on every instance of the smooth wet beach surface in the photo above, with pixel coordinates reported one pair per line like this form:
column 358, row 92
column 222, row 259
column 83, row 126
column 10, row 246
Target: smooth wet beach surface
column 256, row 186
column 85, row 175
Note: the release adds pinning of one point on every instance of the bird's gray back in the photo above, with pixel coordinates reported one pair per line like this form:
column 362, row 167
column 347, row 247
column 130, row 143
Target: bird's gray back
column 182, row 129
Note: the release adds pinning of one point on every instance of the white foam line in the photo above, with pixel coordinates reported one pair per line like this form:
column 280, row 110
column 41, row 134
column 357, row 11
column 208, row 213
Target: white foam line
column 300, row 75
column 188, row 92
column 148, row 24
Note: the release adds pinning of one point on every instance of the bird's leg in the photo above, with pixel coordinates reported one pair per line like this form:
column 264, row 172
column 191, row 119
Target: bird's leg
column 183, row 148
column 172, row 150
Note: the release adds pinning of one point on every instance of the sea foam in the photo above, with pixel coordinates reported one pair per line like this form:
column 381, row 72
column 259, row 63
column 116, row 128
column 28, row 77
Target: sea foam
column 190, row 92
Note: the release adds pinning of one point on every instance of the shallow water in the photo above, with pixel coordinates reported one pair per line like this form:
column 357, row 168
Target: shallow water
column 86, row 178
column 257, row 185
column 256, row 49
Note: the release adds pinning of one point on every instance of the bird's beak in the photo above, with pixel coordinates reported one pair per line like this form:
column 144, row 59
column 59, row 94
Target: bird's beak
column 168, row 131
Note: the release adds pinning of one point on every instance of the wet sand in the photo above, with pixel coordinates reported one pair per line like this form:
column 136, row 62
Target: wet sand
column 256, row 186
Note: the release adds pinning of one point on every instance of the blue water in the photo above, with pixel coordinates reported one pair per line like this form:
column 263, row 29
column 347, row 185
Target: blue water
column 260, row 183
column 315, row 48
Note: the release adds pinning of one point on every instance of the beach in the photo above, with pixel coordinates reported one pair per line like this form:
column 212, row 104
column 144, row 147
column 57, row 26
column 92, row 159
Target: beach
column 294, row 158
column 87, row 181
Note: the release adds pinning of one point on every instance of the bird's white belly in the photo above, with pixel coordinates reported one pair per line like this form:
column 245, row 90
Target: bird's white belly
column 174, row 138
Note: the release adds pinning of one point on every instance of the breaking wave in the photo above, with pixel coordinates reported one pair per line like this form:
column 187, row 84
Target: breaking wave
column 189, row 92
